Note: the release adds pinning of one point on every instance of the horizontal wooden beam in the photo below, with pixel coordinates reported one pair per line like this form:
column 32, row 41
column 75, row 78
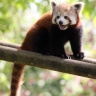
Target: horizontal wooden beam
column 10, row 52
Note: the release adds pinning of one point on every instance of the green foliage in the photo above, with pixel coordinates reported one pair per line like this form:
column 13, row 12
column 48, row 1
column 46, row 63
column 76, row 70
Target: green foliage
column 16, row 16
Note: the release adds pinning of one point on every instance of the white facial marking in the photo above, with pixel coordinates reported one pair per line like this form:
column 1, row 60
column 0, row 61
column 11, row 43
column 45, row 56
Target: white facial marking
column 73, row 20
column 63, row 20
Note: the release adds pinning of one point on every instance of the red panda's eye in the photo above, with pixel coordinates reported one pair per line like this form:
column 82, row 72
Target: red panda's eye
column 65, row 17
column 58, row 17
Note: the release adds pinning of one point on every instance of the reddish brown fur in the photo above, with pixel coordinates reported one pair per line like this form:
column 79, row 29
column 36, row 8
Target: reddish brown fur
column 43, row 22
column 18, row 69
column 16, row 80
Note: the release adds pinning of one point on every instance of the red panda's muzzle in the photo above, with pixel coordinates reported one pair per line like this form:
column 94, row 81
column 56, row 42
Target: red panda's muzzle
column 63, row 27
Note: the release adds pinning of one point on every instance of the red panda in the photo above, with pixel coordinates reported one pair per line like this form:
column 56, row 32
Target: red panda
column 49, row 35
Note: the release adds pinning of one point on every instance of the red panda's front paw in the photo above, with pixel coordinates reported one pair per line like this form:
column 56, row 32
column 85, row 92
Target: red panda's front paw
column 79, row 55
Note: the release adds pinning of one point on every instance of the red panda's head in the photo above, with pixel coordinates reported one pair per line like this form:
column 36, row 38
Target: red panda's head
column 65, row 15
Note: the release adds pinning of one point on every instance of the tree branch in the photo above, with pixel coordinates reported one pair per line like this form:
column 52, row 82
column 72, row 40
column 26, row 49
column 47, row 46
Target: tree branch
column 10, row 52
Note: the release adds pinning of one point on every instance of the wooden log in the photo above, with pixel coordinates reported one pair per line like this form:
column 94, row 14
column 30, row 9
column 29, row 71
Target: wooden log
column 81, row 68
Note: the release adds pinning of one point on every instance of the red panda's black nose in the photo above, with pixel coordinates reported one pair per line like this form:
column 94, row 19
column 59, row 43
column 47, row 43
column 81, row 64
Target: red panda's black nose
column 60, row 22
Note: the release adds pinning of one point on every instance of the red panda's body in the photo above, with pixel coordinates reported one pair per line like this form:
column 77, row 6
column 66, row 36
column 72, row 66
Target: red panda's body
column 49, row 35
column 38, row 34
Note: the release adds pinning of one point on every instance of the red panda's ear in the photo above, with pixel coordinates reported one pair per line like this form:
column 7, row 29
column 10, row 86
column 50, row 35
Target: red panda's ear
column 53, row 5
column 79, row 7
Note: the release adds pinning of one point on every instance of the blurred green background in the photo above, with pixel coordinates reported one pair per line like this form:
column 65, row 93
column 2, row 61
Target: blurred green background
column 16, row 17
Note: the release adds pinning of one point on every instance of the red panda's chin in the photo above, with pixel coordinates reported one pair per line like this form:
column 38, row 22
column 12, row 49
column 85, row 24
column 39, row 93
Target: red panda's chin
column 63, row 27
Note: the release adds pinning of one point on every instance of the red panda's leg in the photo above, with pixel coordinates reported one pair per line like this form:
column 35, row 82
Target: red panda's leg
column 76, row 43
column 16, row 79
column 57, row 48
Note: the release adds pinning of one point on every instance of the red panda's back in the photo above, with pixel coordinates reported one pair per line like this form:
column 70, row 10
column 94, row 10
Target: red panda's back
column 45, row 21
